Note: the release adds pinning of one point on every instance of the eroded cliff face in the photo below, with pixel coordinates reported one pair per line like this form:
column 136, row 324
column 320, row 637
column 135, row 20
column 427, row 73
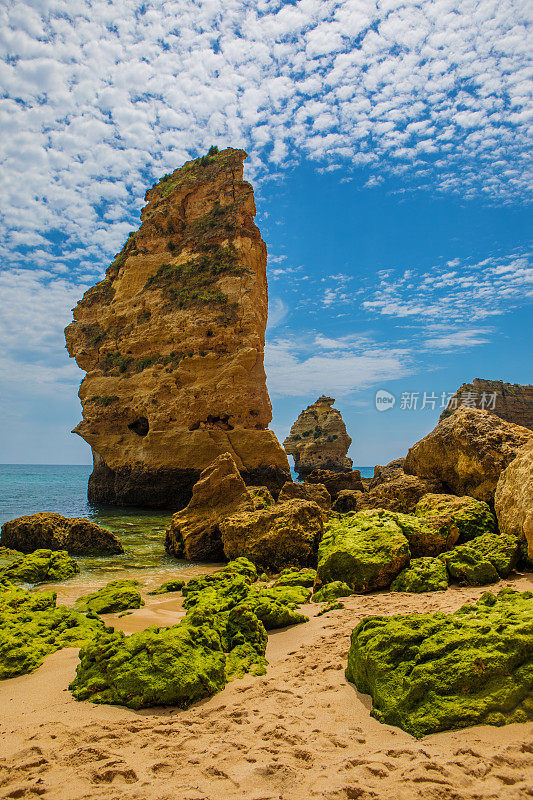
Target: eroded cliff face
column 509, row 401
column 318, row 439
column 172, row 342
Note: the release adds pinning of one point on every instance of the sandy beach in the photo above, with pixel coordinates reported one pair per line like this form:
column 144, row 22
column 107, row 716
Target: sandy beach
column 300, row 732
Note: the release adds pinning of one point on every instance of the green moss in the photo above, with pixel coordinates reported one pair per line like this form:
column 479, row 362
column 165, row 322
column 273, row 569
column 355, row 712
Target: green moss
column 274, row 614
column 485, row 559
column 202, row 168
column 301, row 577
column 331, row 591
column 434, row 672
column 41, row 566
column 366, row 550
column 31, row 627
column 422, row 575
column 470, row 517
column 288, row 595
column 334, row 606
column 115, row 596
column 94, row 334
column 173, row 585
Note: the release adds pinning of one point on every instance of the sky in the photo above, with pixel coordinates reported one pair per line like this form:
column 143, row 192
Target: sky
column 390, row 151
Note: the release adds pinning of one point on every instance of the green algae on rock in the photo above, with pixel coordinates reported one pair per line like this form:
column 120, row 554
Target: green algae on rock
column 483, row 560
column 434, row 672
column 301, row 577
column 115, row 596
column 422, row 575
column 331, row 591
column 366, row 550
column 79, row 537
column 32, row 627
column 41, row 566
column 173, row 585
column 468, row 516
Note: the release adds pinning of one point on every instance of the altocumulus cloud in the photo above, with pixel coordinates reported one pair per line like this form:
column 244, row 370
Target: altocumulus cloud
column 100, row 98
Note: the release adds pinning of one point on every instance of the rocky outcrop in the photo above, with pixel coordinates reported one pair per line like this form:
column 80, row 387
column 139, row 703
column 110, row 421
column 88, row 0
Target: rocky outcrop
column 116, row 596
column 397, row 491
column 335, row 482
column 513, row 501
column 483, row 560
column 41, row 566
column 272, row 538
column 467, row 451
column 318, row 439
column 172, row 343
column 464, row 517
column 79, row 537
column 422, row 575
column 477, row 662
column 316, row 492
column 194, row 532
column 509, row 401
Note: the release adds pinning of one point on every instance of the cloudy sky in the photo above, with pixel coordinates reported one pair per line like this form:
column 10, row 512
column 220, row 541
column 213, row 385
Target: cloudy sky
column 389, row 145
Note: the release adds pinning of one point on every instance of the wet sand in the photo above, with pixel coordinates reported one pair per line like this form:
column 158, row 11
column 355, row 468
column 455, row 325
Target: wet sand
column 298, row 733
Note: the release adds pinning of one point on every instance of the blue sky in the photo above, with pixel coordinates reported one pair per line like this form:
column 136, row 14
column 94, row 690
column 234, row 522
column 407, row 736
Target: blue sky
column 390, row 148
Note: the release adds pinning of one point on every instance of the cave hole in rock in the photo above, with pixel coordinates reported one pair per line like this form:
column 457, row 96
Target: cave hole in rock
column 140, row 426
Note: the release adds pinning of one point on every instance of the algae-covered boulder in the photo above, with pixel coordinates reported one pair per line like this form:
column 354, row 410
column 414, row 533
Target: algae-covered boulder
column 287, row 533
column 288, row 595
column 331, row 591
column 434, row 672
column 301, row 577
column 483, row 560
column 172, row 585
column 32, row 627
column 273, row 613
column 41, row 566
column 465, row 516
column 422, row 575
column 426, row 537
column 173, row 666
column 79, row 537
column 115, row 596
column 316, row 492
column 366, row 550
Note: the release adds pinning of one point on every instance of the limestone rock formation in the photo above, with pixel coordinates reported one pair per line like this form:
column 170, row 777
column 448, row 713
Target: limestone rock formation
column 513, row 501
column 509, row 401
column 422, row 575
column 467, row 451
column 79, row 537
column 172, row 343
column 397, row 492
column 316, row 492
column 335, row 482
column 318, row 439
column 194, row 532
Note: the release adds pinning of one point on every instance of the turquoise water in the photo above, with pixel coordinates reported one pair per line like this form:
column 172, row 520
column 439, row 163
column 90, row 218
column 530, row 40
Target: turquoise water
column 27, row 489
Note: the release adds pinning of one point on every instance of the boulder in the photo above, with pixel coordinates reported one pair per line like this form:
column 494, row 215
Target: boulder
column 483, row 560
column 336, row 481
column 116, row 596
column 348, row 500
column 49, row 531
column 301, row 577
column 172, row 585
column 318, row 439
column 316, row 492
column 467, row 451
column 397, row 491
column 332, row 591
column 285, row 534
column 366, row 550
column 422, row 575
column 513, row 501
column 388, row 472
column 426, row 537
column 194, row 533
column 435, row 672
column 465, row 517
column 41, row 566
column 261, row 496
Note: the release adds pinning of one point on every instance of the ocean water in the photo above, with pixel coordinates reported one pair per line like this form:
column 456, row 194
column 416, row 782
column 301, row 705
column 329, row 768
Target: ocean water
column 28, row 488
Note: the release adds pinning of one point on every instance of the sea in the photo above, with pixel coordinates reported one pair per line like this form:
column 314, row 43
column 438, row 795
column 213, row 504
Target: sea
column 29, row 488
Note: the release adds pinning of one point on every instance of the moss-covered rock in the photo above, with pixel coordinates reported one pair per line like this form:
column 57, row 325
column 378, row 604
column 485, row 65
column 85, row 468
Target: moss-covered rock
column 483, row 560
column 426, row 537
column 434, row 672
column 173, row 585
column 32, row 627
column 115, row 596
column 158, row 666
column 331, row 591
column 301, row 577
column 422, row 575
column 46, row 530
column 274, row 614
column 41, row 566
column 366, row 550
column 464, row 516
column 288, row 595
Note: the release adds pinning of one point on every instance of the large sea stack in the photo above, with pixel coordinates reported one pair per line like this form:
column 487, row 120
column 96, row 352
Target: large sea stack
column 172, row 342
column 318, row 439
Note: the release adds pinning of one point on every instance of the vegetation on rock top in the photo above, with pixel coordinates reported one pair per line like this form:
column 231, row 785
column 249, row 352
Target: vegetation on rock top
column 41, row 566
column 118, row 595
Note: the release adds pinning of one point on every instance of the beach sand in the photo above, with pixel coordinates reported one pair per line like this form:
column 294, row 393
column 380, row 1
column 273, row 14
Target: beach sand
column 298, row 733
